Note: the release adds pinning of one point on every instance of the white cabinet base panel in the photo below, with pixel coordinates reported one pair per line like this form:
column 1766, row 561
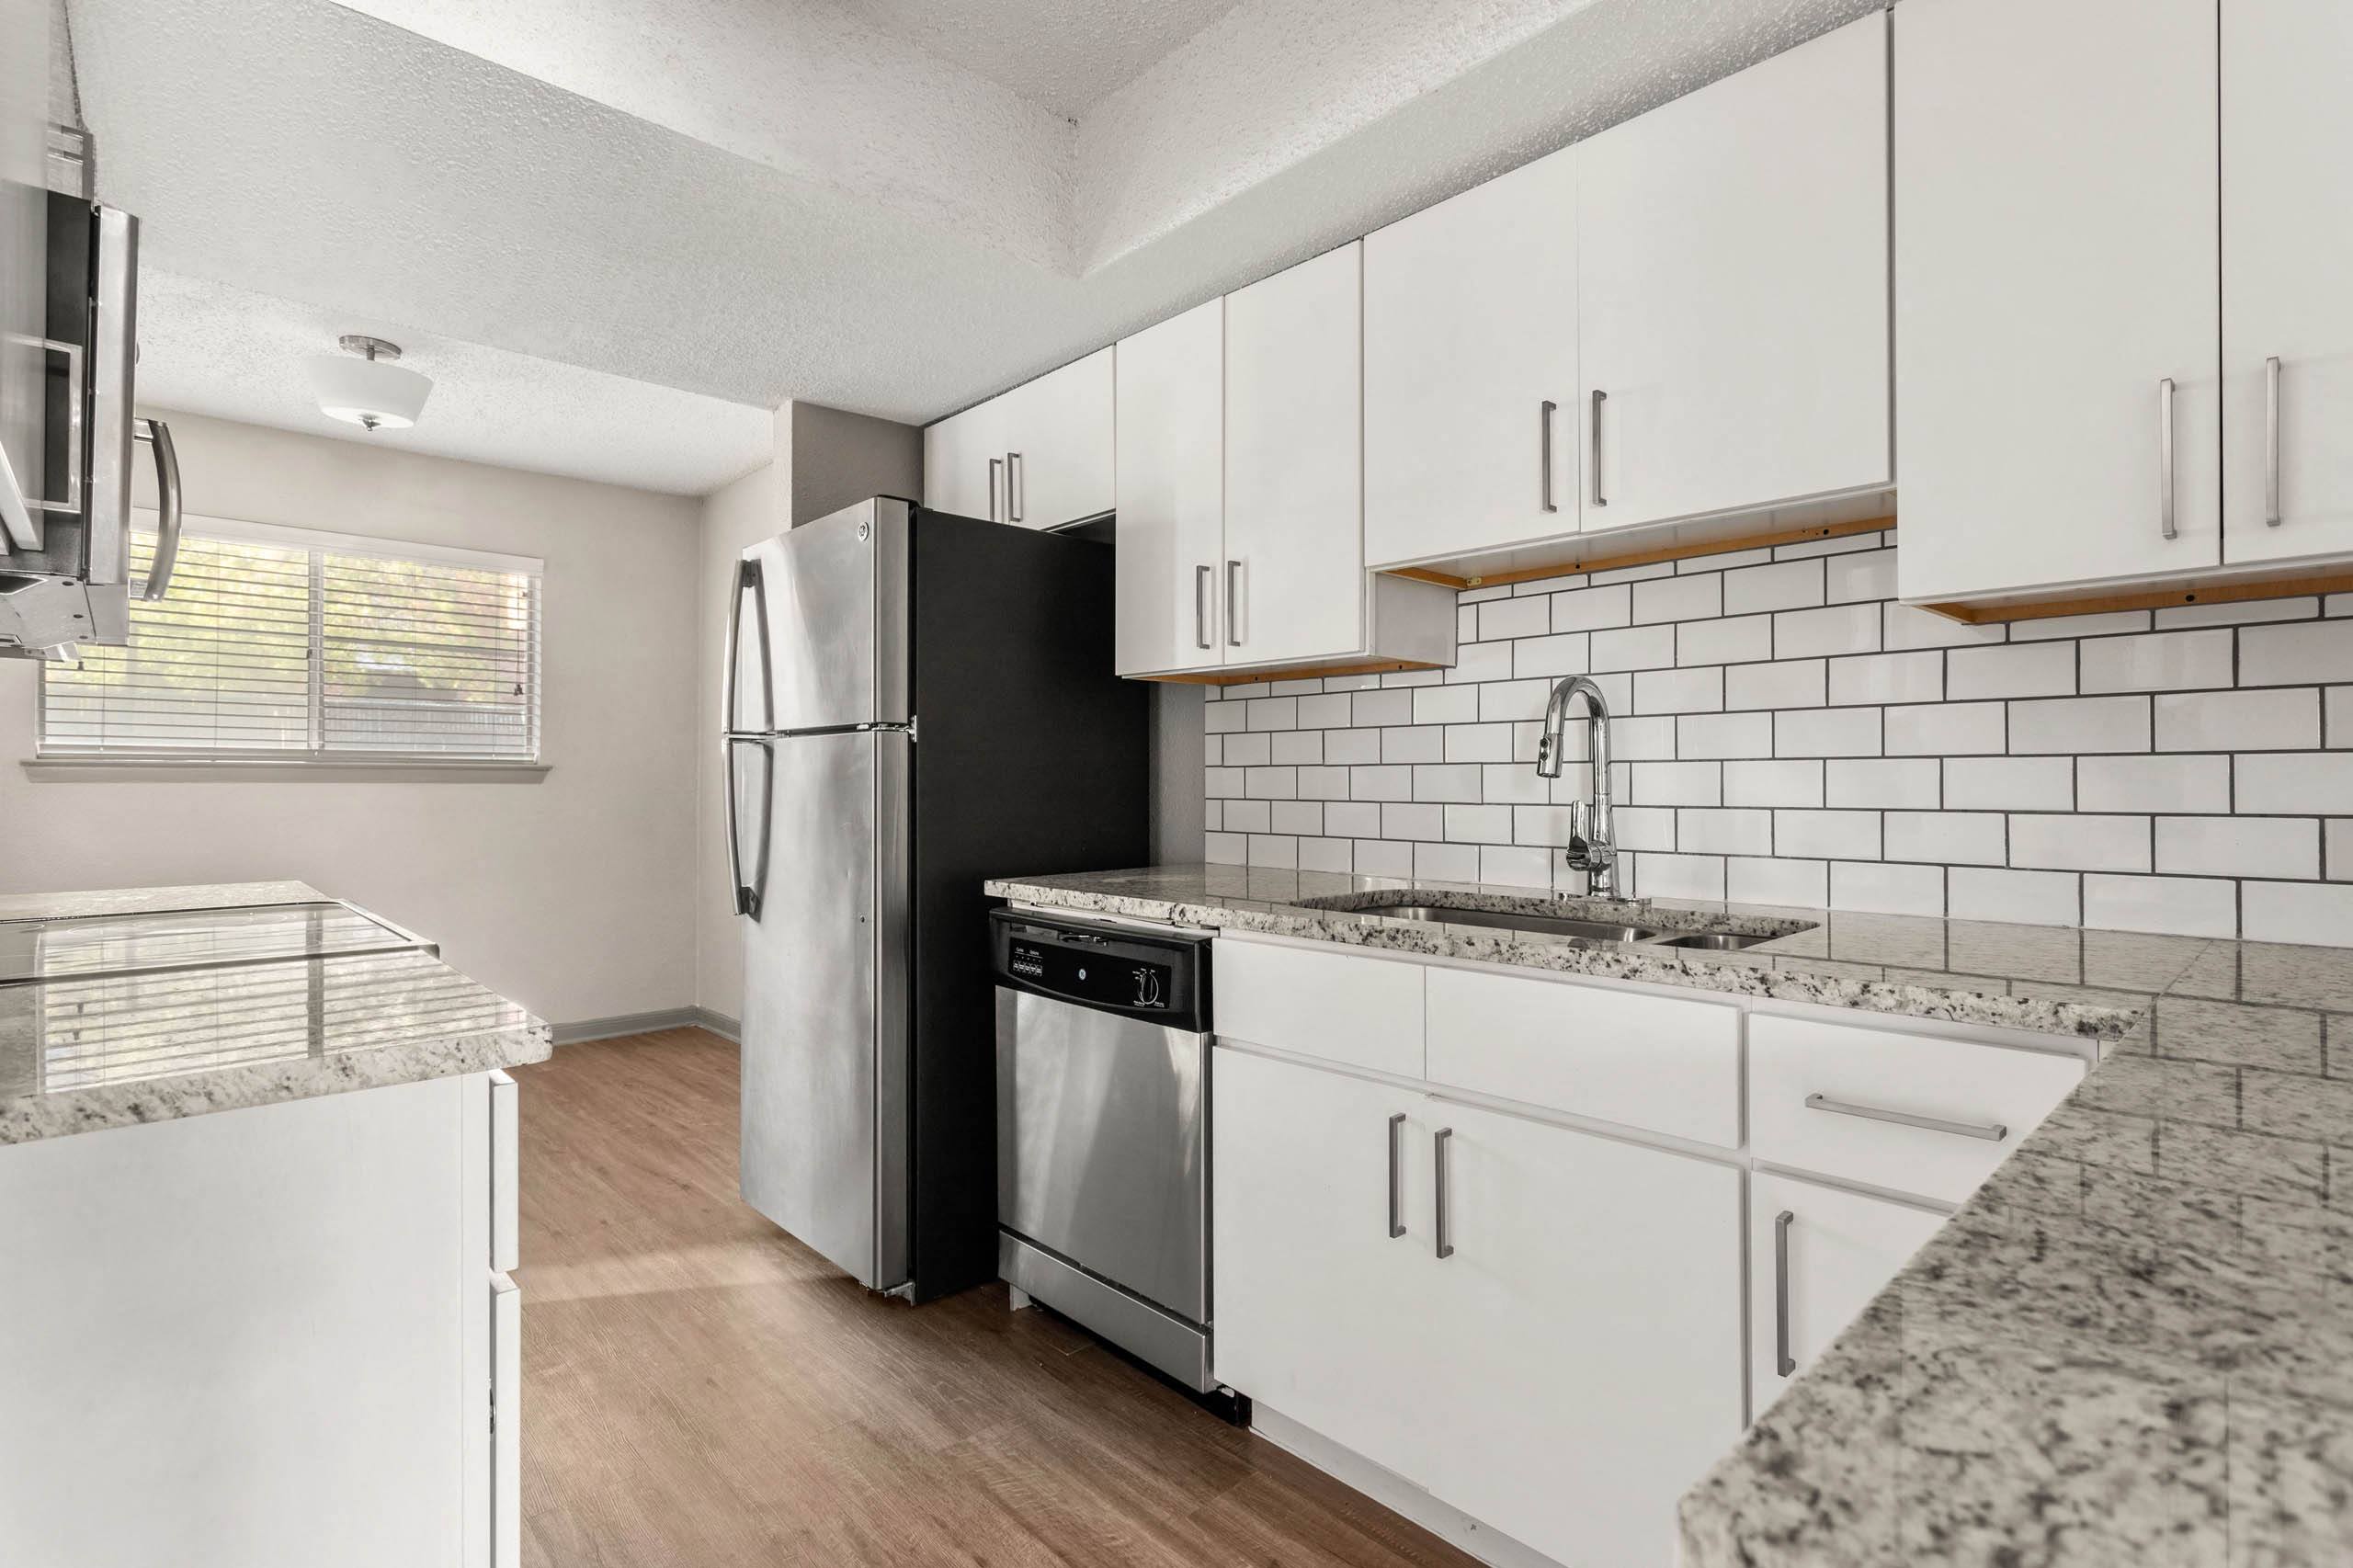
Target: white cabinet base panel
column 1398, row 1494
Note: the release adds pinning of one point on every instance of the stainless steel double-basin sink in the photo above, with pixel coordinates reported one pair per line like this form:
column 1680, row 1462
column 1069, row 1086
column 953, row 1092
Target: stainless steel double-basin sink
column 1407, row 906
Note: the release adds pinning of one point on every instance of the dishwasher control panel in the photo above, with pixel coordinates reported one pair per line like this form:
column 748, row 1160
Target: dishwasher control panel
column 1139, row 974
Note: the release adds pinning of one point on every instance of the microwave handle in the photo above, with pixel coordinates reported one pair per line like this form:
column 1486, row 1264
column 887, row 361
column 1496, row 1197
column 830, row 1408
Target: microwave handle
column 158, row 435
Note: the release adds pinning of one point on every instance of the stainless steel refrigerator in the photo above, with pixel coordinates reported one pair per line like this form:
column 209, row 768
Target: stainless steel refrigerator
column 914, row 702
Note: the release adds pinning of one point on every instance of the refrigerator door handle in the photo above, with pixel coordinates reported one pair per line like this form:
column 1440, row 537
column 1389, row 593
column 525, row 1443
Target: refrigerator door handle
column 748, row 893
column 748, row 580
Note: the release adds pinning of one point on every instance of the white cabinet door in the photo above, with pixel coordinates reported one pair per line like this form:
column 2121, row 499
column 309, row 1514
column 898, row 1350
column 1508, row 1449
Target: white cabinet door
column 1470, row 369
column 1057, row 438
column 1732, row 287
column 1321, row 1311
column 1812, row 1272
column 1295, row 463
column 1587, row 1331
column 1171, row 489
column 963, row 463
column 2055, row 223
column 2287, row 263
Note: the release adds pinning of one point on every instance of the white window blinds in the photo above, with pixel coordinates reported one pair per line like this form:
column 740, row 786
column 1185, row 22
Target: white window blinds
column 282, row 645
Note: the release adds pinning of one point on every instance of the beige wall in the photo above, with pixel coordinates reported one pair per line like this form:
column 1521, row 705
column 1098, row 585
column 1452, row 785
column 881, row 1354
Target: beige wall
column 574, row 895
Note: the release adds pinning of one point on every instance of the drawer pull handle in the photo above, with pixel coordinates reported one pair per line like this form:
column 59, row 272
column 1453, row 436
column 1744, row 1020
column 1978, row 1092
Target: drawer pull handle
column 1445, row 1221
column 1783, row 1362
column 1396, row 1176
column 1992, row 1131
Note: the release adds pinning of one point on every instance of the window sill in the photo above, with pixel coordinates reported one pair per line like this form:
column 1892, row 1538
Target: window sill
column 183, row 770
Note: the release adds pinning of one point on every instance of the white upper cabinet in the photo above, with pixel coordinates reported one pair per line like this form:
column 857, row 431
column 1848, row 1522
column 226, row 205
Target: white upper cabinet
column 1171, row 493
column 1295, row 463
column 1732, row 287
column 2286, row 103
column 1470, row 369
column 2057, row 379
column 1039, row 455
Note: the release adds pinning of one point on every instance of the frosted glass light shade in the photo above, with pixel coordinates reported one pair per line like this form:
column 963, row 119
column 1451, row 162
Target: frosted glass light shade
column 372, row 393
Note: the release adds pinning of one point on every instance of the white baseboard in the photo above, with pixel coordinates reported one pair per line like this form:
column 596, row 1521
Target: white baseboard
column 644, row 1023
column 1394, row 1492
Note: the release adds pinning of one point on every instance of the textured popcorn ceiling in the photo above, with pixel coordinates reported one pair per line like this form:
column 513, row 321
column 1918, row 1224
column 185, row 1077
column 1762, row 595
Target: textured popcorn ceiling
column 889, row 206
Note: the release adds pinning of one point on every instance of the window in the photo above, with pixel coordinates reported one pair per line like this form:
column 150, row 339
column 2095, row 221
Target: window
column 280, row 644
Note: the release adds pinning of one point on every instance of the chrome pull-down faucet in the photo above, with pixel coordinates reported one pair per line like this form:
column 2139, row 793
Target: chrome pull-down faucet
column 1593, row 845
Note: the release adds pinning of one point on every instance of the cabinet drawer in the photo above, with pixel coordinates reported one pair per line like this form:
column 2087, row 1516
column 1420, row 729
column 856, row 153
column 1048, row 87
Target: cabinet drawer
column 1982, row 1098
column 1812, row 1272
column 1331, row 1003
column 505, row 1165
column 1659, row 1063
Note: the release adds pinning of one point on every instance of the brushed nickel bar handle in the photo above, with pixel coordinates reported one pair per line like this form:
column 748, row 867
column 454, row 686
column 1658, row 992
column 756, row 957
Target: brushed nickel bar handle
column 2271, row 442
column 1201, row 638
column 995, row 464
column 1445, row 1223
column 1549, row 408
column 1783, row 1362
column 1396, row 1176
column 1234, row 604
column 1015, row 492
column 2165, row 460
column 169, row 515
column 1593, row 421
column 1990, row 1132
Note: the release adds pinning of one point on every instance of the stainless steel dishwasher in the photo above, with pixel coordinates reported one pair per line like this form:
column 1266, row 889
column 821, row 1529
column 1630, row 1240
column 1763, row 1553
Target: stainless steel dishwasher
column 1102, row 1110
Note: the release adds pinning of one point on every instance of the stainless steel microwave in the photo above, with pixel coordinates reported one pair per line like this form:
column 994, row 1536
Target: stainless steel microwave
column 69, row 438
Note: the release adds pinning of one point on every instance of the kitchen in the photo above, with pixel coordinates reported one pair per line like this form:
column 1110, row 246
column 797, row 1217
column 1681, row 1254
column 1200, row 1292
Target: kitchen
column 1265, row 785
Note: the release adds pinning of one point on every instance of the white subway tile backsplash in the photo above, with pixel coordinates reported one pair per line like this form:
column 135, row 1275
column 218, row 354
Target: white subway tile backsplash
column 1643, row 573
column 1787, row 734
column 2153, row 783
column 1680, row 691
column 1586, row 609
column 1912, row 783
column 2296, row 912
column 1803, row 884
column 2182, row 906
column 1946, row 729
column 1679, row 599
column 2164, row 661
column 1887, row 677
column 1836, row 629
column 1678, row 783
column 1886, row 889
column 2238, row 720
column 1719, row 831
column 2026, row 898
column 2010, row 783
column 1801, row 683
column 2080, row 724
column 1826, row 732
column 2080, row 842
column 2014, row 669
column 1772, row 783
column 1787, row 584
column 2239, row 846
column 2320, row 783
column 1827, row 835
column 1741, row 640
column 1947, row 839
column 2311, row 652
column 1634, row 647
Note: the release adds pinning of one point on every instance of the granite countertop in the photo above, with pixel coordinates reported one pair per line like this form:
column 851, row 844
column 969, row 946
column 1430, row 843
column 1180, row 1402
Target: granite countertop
column 145, row 1004
column 2133, row 1346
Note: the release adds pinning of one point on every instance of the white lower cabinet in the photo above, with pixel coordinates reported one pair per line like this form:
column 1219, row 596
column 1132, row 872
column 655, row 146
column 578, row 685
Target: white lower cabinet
column 1818, row 1255
column 1552, row 1345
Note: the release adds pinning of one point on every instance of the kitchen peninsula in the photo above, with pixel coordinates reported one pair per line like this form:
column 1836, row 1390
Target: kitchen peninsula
column 256, row 1196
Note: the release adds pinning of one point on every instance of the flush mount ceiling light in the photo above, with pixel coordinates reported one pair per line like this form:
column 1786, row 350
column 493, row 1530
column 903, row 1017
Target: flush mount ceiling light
column 370, row 390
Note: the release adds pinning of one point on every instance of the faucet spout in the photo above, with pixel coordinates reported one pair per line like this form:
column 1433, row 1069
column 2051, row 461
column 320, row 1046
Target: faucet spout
column 1592, row 846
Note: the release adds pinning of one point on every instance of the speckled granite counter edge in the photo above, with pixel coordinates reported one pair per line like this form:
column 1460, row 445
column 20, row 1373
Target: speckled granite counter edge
column 1757, row 972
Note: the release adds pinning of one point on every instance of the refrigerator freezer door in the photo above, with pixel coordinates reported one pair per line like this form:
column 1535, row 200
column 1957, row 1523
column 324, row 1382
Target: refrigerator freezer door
column 835, row 592
column 827, row 1042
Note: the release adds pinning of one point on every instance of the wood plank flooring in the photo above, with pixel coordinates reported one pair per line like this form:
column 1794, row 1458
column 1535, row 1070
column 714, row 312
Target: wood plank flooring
column 702, row 1392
